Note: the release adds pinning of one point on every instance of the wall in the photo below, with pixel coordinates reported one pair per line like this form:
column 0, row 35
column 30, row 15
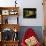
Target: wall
column 32, row 22
column 27, row 4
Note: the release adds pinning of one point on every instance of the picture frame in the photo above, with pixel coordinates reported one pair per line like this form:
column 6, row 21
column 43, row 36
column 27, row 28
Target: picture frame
column 29, row 13
column 5, row 12
column 13, row 12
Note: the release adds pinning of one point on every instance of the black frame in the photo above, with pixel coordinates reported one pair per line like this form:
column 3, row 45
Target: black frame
column 26, row 12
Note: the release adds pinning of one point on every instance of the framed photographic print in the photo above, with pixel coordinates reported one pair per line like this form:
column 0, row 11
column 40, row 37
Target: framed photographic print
column 29, row 12
column 13, row 12
column 5, row 12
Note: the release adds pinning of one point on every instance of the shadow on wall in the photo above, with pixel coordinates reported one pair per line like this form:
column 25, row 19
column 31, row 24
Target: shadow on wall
column 37, row 29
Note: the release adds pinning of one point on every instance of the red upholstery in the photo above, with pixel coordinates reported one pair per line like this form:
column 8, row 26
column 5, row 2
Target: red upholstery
column 29, row 33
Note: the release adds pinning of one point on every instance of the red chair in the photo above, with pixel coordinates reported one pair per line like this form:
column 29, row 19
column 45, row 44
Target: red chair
column 29, row 33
